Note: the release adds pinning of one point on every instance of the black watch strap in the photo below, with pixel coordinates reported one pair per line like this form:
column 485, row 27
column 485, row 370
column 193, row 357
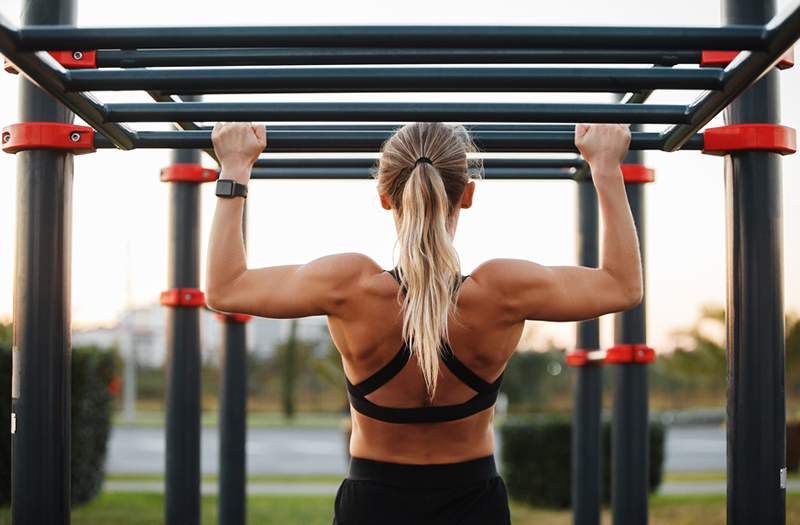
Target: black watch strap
column 227, row 189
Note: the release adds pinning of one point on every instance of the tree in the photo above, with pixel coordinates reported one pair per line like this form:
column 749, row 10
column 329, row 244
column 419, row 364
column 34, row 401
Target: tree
column 793, row 365
column 289, row 371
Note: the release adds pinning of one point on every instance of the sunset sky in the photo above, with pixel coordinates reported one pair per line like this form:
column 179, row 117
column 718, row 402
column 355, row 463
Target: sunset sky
column 120, row 208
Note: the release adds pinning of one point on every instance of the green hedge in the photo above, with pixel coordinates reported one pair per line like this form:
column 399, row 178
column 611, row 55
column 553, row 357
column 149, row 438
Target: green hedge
column 92, row 374
column 536, row 460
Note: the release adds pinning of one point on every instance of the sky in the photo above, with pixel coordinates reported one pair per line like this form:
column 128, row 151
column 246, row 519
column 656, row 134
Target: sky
column 121, row 209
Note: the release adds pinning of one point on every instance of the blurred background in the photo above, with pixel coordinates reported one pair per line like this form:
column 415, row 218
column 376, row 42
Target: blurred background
column 297, row 419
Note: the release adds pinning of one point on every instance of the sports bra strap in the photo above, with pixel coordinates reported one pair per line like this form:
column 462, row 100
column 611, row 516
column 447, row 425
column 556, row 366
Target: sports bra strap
column 485, row 397
column 384, row 375
column 467, row 376
column 427, row 414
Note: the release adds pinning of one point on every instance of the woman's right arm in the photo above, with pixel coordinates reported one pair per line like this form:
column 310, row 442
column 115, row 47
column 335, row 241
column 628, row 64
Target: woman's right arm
column 527, row 290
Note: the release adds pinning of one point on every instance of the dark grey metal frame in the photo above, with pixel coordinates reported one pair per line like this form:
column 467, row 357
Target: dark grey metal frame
column 753, row 189
column 766, row 43
column 183, row 396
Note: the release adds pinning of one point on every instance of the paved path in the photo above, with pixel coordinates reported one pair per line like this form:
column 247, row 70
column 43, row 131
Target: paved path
column 135, row 450
column 709, row 487
column 141, row 450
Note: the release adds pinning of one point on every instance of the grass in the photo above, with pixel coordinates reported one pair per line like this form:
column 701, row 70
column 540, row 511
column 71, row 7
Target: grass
column 677, row 476
column 146, row 509
column 712, row 475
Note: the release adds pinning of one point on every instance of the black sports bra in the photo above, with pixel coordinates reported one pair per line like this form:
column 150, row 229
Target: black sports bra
column 485, row 396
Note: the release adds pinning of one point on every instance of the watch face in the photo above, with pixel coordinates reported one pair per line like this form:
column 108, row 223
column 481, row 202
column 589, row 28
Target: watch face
column 225, row 188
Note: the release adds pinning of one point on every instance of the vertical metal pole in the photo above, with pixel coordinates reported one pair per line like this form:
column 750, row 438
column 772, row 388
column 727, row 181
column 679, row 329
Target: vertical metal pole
column 756, row 403
column 182, row 505
column 586, row 431
column 233, row 420
column 40, row 411
column 629, row 433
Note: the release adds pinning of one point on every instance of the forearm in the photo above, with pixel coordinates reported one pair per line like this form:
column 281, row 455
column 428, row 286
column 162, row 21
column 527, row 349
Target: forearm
column 227, row 259
column 620, row 256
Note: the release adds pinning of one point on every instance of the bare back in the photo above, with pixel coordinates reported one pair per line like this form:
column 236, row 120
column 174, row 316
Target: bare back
column 368, row 335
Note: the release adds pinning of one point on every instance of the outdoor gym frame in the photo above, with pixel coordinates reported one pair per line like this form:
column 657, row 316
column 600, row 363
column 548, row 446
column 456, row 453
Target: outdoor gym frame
column 56, row 83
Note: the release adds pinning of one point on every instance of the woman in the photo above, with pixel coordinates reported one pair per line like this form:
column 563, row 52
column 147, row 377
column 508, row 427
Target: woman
column 422, row 443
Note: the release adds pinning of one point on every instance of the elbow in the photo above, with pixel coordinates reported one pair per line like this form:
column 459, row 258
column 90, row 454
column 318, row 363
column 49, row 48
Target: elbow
column 633, row 294
column 221, row 292
column 215, row 299
column 219, row 298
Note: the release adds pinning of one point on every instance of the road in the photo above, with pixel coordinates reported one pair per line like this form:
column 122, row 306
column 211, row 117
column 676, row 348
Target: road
column 140, row 450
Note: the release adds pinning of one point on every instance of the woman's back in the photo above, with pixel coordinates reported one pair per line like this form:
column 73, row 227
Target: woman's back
column 368, row 336
column 424, row 366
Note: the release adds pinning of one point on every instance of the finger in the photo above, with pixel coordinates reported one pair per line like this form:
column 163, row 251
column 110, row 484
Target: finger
column 581, row 130
column 261, row 133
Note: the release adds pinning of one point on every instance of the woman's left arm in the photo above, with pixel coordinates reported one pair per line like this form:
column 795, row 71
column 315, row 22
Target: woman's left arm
column 316, row 288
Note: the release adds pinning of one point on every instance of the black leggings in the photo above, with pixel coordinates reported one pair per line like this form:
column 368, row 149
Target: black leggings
column 380, row 493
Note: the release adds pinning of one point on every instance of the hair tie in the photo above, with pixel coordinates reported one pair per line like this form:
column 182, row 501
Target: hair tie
column 423, row 160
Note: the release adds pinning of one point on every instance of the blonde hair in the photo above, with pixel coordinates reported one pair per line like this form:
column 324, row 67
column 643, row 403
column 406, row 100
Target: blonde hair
column 423, row 170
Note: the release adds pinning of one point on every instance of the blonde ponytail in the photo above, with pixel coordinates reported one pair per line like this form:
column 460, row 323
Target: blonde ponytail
column 424, row 170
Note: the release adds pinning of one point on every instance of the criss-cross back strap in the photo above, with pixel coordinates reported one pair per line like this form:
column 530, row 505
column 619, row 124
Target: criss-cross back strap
column 467, row 376
column 384, row 375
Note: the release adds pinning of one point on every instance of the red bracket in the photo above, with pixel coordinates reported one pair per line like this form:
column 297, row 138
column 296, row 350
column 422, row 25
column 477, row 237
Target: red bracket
column 581, row 357
column 68, row 59
column 638, row 353
column 183, row 297
column 47, row 135
column 750, row 137
column 233, row 318
column 723, row 58
column 188, row 173
column 637, row 173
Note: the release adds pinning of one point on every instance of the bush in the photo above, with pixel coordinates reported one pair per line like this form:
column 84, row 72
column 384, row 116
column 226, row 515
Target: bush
column 92, row 373
column 793, row 446
column 536, row 459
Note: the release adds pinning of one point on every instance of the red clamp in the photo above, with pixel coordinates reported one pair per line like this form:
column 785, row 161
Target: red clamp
column 723, row 58
column 188, row 173
column 638, row 353
column 637, row 173
column 68, row 59
column 183, row 297
column 581, row 357
column 233, row 318
column 47, row 135
column 750, row 137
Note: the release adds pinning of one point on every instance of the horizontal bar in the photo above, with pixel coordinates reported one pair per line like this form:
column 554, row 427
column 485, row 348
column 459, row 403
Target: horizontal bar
column 745, row 70
column 429, row 79
column 363, row 174
column 547, row 37
column 310, row 141
column 395, row 111
column 295, row 56
column 45, row 72
column 369, row 163
column 390, row 128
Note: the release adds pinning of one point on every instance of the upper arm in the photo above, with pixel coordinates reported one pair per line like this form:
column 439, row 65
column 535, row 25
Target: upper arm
column 316, row 288
column 526, row 290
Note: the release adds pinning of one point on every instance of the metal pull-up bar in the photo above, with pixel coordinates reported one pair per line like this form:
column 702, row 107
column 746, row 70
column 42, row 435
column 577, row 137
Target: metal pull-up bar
column 394, row 79
column 514, row 37
column 324, row 141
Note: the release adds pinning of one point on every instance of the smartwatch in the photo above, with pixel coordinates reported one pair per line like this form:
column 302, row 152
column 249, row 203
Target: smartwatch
column 228, row 189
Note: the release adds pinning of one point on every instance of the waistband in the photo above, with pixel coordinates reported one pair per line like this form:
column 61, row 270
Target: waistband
column 423, row 476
